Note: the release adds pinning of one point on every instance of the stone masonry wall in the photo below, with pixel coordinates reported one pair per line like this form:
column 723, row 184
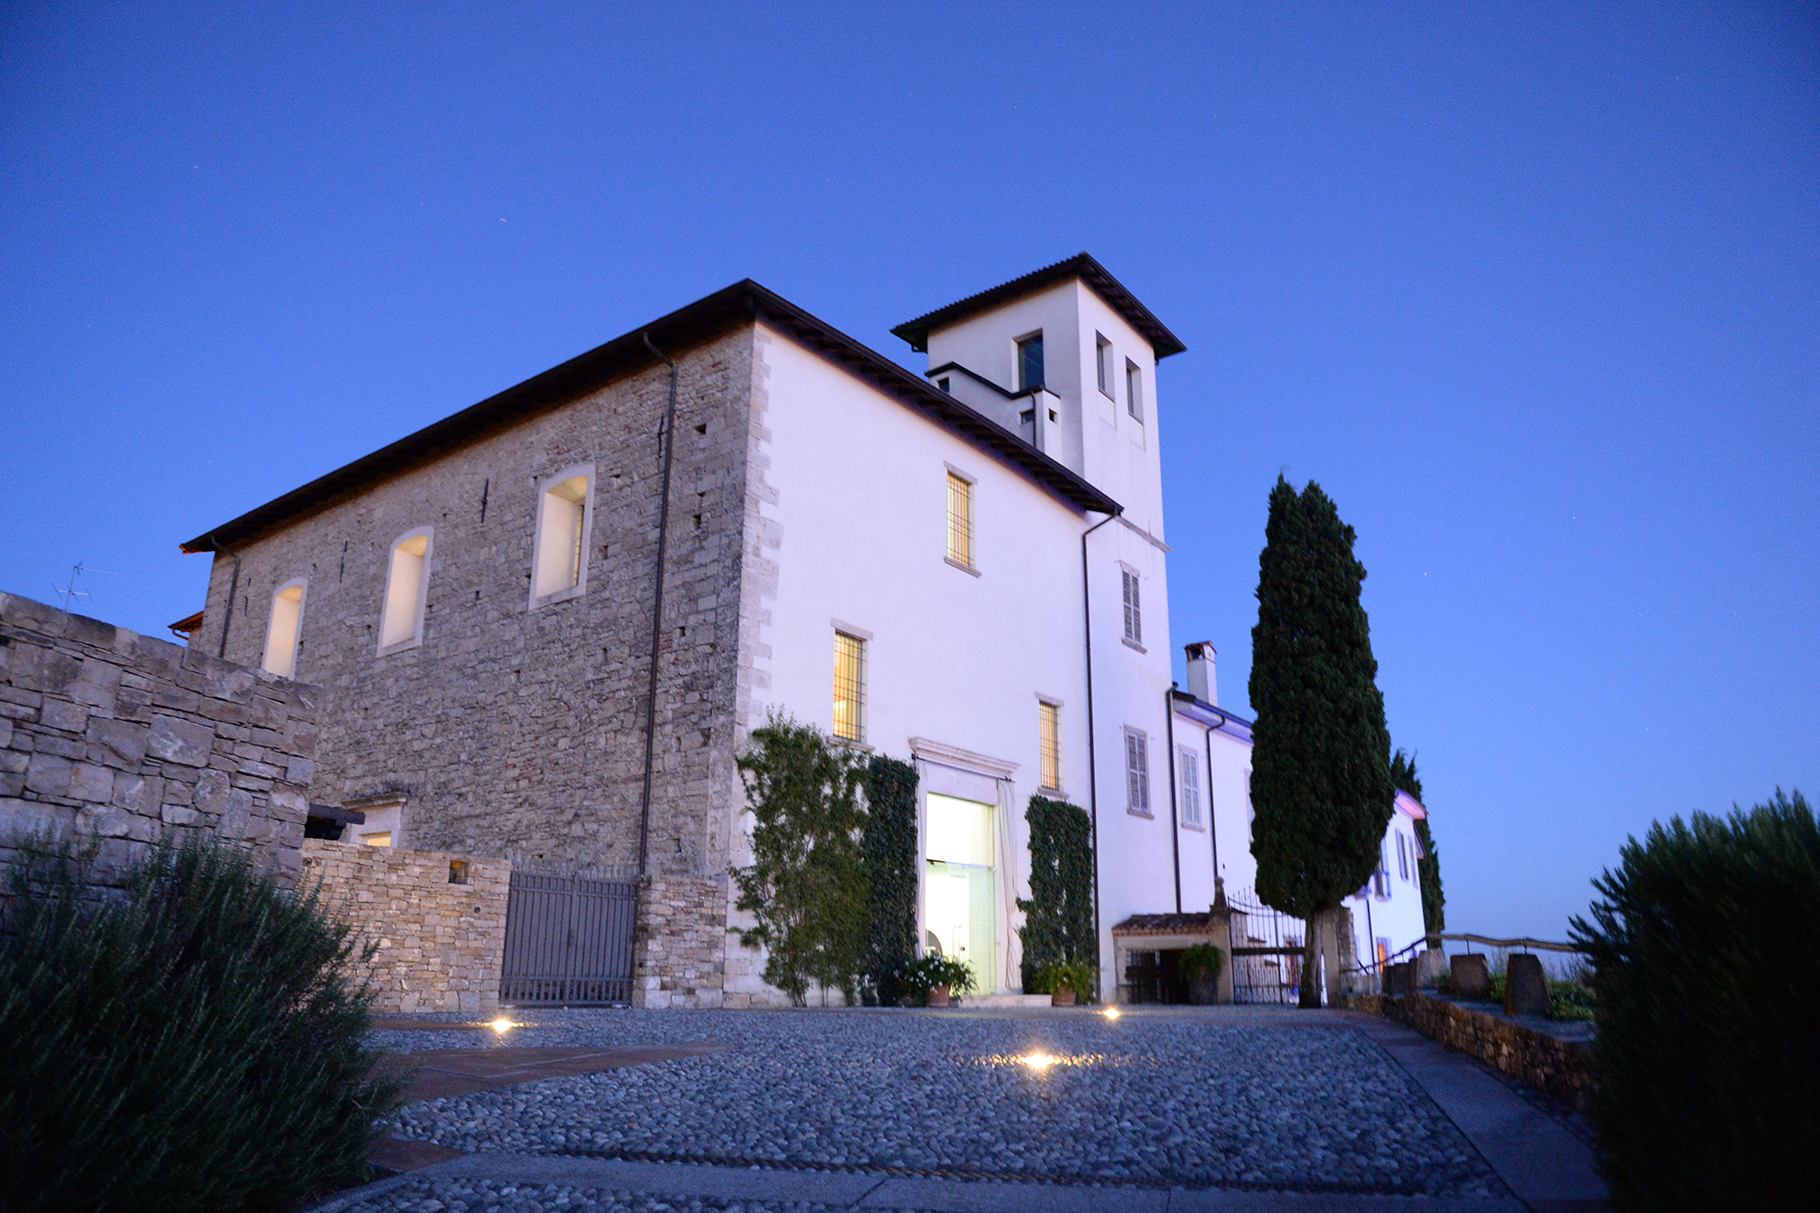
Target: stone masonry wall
column 520, row 730
column 440, row 944
column 1563, row 1068
column 114, row 738
column 681, row 944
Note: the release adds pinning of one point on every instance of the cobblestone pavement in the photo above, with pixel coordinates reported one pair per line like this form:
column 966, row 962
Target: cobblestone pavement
column 1151, row 1099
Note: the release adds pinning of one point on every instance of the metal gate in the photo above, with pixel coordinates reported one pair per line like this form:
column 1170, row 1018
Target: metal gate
column 568, row 937
column 1266, row 952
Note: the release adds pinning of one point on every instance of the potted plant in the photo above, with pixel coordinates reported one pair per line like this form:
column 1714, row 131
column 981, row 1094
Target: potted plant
column 1201, row 965
column 1064, row 982
column 934, row 978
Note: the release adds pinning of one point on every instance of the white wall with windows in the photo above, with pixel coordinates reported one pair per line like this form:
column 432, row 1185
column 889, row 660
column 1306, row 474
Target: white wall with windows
column 968, row 662
column 1387, row 912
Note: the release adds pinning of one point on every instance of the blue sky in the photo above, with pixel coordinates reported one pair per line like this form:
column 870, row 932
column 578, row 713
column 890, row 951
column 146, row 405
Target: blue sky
column 1531, row 290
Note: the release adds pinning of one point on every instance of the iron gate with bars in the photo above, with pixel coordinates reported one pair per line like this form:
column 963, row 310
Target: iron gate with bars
column 1266, row 952
column 569, row 936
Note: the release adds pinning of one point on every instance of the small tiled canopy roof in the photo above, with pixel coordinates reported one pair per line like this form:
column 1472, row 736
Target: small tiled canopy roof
column 1163, row 924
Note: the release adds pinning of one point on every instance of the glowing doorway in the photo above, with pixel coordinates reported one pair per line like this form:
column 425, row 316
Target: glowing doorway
column 958, row 885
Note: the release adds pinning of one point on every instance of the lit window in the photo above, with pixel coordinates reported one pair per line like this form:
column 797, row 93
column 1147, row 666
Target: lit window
column 849, row 687
column 1191, row 786
column 1134, row 390
column 1049, row 727
column 960, row 520
column 381, row 839
column 1137, row 771
column 1103, row 357
column 1134, row 613
column 282, row 633
column 402, row 622
column 562, row 516
column 1030, row 363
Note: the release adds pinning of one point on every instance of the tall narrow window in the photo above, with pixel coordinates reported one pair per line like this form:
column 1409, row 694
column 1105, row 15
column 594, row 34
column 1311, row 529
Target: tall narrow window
column 1030, row 363
column 562, row 516
column 281, row 634
column 1402, row 857
column 1137, row 771
column 960, row 520
column 1049, row 731
column 1191, row 785
column 1134, row 390
column 849, row 687
column 1103, row 356
column 1134, row 612
column 1380, row 879
column 402, row 622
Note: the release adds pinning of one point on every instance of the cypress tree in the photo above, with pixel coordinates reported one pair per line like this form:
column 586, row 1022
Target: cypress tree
column 1434, row 901
column 1320, row 781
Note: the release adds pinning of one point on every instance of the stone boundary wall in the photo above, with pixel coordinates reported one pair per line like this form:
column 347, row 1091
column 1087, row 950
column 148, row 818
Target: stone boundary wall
column 113, row 738
column 680, row 950
column 440, row 944
column 1563, row 1068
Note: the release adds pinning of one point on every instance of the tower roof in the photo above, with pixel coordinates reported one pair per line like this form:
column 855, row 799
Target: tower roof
column 1082, row 266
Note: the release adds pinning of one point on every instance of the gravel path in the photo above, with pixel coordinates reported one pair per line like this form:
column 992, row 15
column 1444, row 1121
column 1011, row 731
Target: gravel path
column 485, row 1196
column 1150, row 1100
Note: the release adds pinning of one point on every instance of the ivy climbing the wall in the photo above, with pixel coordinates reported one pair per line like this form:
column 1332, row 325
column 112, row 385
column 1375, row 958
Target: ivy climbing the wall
column 890, row 851
column 807, row 885
column 1058, row 916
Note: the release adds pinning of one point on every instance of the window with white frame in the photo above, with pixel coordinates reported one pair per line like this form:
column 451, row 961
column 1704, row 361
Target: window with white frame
column 1137, row 771
column 1191, row 786
column 1103, row 358
column 1134, row 611
column 284, row 629
column 1402, row 857
column 1030, row 362
column 1380, row 879
column 407, row 580
column 1134, row 390
column 849, row 687
column 1049, row 739
column 560, row 562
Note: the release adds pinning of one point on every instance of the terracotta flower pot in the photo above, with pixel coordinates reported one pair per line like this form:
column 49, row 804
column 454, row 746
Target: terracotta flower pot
column 1062, row 998
column 938, row 996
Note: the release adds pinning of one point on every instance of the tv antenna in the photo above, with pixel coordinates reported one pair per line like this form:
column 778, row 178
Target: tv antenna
column 70, row 592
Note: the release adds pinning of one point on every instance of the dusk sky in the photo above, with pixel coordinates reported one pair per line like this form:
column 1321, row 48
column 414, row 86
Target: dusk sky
column 1531, row 290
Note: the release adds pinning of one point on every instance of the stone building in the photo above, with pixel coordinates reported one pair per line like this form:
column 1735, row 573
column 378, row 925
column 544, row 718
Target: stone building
column 751, row 512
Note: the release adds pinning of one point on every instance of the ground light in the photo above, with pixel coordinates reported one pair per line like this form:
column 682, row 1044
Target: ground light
column 1037, row 1061
column 1110, row 1012
column 501, row 1024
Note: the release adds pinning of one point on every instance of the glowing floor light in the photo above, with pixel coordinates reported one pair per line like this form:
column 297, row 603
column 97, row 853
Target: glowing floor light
column 1110, row 1012
column 501, row 1024
column 1038, row 1061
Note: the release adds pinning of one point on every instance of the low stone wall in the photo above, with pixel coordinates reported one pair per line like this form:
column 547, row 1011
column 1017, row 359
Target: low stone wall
column 440, row 944
column 681, row 945
column 113, row 738
column 1563, row 1068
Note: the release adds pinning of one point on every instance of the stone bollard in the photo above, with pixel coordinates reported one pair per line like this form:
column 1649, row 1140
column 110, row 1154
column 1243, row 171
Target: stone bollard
column 1399, row 979
column 1525, row 986
column 1470, row 976
column 1429, row 967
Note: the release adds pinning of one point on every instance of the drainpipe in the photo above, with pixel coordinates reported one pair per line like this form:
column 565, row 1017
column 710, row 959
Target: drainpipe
column 657, row 615
column 1093, row 783
column 1175, row 832
column 1213, row 818
column 227, row 616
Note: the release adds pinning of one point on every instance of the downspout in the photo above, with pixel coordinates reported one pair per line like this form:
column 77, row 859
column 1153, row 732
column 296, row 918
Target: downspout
column 1213, row 817
column 657, row 614
column 1175, row 831
column 227, row 616
column 1093, row 783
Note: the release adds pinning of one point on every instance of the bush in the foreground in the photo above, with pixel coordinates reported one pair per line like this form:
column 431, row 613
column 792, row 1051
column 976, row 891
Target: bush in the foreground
column 193, row 1046
column 1707, row 948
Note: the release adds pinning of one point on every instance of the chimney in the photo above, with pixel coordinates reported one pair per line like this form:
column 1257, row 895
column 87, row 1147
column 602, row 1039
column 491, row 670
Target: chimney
column 1202, row 683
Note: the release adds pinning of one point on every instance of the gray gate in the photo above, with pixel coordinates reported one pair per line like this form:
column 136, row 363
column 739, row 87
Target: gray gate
column 568, row 937
column 1266, row 952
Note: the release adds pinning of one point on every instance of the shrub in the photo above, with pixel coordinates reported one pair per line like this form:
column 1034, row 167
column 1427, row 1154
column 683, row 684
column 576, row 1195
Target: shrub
column 1058, row 914
column 807, row 886
column 193, row 1045
column 1569, row 1000
column 1202, row 958
column 1057, row 976
column 1707, row 949
column 891, row 861
column 930, row 970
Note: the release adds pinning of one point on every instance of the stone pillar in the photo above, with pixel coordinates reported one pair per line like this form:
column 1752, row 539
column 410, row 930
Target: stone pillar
column 1525, row 985
column 681, row 942
column 1219, row 930
column 1471, row 977
column 1429, row 966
